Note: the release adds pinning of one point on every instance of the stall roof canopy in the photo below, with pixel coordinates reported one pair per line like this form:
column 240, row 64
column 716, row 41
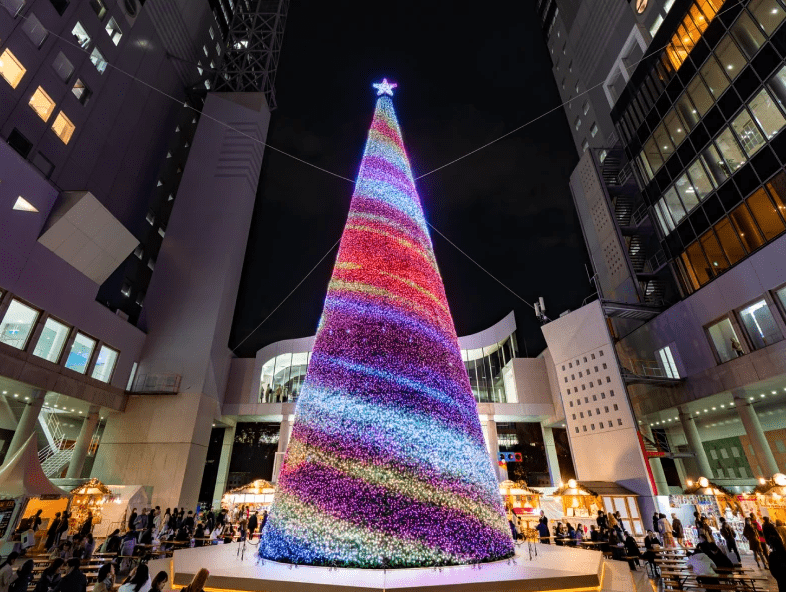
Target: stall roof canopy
column 595, row 488
column 258, row 486
column 22, row 475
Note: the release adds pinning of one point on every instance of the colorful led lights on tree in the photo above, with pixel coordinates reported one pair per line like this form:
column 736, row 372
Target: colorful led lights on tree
column 386, row 466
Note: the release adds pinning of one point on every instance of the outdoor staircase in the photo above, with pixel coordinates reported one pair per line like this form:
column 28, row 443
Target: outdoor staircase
column 54, row 464
column 623, row 210
column 56, row 454
column 638, row 258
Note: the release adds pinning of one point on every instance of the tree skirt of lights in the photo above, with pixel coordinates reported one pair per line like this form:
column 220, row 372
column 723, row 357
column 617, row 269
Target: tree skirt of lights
column 387, row 465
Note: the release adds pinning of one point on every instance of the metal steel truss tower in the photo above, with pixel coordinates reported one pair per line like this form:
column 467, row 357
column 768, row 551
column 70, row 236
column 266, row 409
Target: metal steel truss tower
column 253, row 47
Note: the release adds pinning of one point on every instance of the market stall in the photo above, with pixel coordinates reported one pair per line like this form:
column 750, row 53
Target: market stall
column 116, row 510
column 771, row 497
column 22, row 481
column 255, row 497
column 582, row 501
column 713, row 502
column 87, row 500
column 522, row 501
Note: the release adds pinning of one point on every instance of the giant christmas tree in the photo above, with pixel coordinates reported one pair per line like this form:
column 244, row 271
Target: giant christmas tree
column 386, row 465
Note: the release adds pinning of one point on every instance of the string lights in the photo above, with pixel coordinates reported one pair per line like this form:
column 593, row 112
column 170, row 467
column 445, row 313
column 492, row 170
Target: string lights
column 386, row 466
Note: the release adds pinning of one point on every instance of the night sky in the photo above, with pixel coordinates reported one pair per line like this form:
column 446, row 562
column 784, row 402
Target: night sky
column 466, row 76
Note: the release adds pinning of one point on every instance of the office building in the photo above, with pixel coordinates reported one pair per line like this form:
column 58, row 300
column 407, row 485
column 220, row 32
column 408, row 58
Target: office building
column 682, row 212
column 109, row 175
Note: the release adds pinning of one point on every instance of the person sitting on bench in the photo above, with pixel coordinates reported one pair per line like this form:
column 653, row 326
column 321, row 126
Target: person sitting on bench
column 632, row 551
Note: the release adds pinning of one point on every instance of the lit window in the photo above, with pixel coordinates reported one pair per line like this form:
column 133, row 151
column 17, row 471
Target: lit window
column 98, row 60
column 667, row 362
column 105, row 364
column 768, row 12
column 577, row 123
column 760, row 325
column 730, row 57
column 747, row 34
column 63, row 127
column 748, row 132
column 204, row 48
column 732, row 154
column 81, row 91
column 82, row 38
column 212, row 35
column 656, row 25
column 713, row 75
column 585, row 107
column 125, row 289
column 99, row 7
column 199, row 68
column 34, row 30
column 113, row 30
column 218, row 49
column 53, row 338
column 17, row 324
column 11, row 69
column 81, row 351
column 151, row 217
column 594, row 130
column 42, row 103
column 725, row 341
column 584, row 146
column 767, row 113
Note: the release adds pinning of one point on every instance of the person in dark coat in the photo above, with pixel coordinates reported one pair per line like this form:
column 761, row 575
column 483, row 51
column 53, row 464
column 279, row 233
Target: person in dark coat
column 35, row 521
column 87, row 525
column 778, row 561
column 113, row 542
column 253, row 522
column 63, row 528
column 24, row 575
column 543, row 531
column 632, row 551
column 51, row 532
column 74, row 580
column 50, row 576
column 655, row 520
column 132, row 519
column 713, row 551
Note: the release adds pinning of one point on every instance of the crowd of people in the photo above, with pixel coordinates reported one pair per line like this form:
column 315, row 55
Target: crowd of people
column 67, row 576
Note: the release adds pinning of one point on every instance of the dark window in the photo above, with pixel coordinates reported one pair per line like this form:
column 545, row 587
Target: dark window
column 19, row 143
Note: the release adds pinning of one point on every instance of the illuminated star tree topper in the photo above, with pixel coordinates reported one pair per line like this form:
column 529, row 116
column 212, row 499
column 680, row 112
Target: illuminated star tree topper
column 385, row 87
column 387, row 466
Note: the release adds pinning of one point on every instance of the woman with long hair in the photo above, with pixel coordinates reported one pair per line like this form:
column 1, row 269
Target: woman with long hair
column 137, row 581
column 50, row 576
column 750, row 533
column 198, row 582
column 159, row 582
column 106, row 578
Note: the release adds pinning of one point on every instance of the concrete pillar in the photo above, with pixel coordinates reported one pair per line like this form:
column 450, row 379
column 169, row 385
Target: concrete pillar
column 7, row 417
column 761, row 447
column 655, row 466
column 491, row 430
column 551, row 456
column 223, row 463
column 678, row 462
column 694, row 442
column 83, row 440
column 26, row 425
column 283, row 442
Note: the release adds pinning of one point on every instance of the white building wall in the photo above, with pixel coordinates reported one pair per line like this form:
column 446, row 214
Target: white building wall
column 601, row 428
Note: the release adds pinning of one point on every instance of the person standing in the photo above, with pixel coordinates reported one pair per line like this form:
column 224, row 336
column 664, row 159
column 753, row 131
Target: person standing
column 727, row 532
column 781, row 530
column 778, row 561
column 87, row 525
column 64, row 526
column 35, row 521
column 51, row 532
column 132, row 520
column 252, row 525
column 677, row 530
column 666, row 531
column 655, row 522
column 752, row 535
column 543, row 532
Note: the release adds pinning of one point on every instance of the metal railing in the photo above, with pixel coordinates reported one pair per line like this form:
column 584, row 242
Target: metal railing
column 639, row 214
column 650, row 368
column 157, row 383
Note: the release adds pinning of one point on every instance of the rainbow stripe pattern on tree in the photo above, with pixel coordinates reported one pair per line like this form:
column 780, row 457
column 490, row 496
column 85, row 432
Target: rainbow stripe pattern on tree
column 386, row 466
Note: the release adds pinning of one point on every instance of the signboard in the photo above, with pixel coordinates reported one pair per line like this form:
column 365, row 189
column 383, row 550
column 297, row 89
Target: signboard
column 6, row 510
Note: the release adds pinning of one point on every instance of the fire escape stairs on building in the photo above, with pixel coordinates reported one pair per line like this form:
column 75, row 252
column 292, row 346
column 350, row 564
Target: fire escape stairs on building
column 647, row 372
column 654, row 449
column 628, row 310
column 58, row 452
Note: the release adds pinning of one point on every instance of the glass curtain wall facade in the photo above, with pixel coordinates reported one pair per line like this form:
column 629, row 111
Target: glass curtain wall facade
column 703, row 125
column 283, row 376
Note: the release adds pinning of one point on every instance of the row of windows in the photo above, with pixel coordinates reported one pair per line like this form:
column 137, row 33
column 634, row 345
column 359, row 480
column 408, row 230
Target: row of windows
column 752, row 327
column 751, row 224
column 597, row 411
column 704, row 90
column 731, row 149
column 594, row 398
column 19, row 324
column 581, row 374
column 600, row 425
column 586, row 360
